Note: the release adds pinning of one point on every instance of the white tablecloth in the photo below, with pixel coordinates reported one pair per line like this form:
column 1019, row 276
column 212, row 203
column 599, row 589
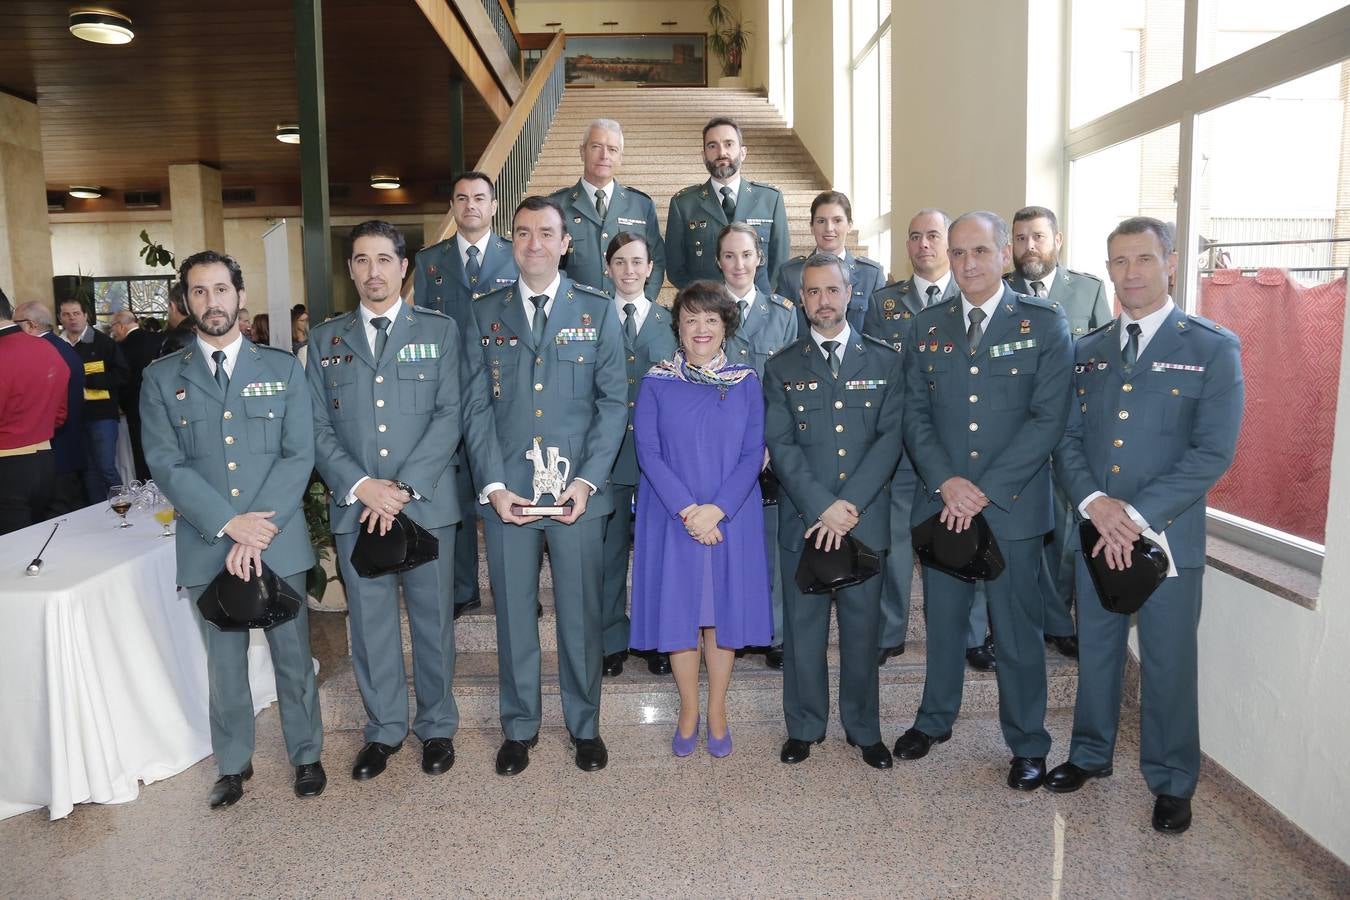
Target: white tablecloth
column 102, row 665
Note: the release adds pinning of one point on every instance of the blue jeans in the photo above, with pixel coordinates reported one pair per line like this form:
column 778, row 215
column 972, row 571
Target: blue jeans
column 100, row 449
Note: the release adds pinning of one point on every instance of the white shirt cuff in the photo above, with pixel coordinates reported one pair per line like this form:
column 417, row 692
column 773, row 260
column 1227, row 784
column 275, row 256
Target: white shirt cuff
column 488, row 491
column 1082, row 507
column 588, row 484
column 351, row 494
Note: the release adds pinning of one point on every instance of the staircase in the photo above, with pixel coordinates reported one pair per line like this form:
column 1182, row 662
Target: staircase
column 662, row 155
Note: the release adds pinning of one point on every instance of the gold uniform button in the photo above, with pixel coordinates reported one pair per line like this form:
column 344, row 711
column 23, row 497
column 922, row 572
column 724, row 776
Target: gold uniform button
column 1115, row 470
column 384, row 451
column 632, row 359
column 1081, row 392
column 743, row 353
column 581, row 359
column 379, row 379
column 270, row 414
column 974, row 454
column 839, row 404
column 228, row 414
column 1176, row 392
column 1123, row 414
column 538, row 413
column 843, row 475
column 538, row 387
column 974, row 370
column 839, row 428
column 539, row 438
column 974, row 398
column 232, row 465
column 229, row 439
column 801, row 409
column 1127, row 388
column 630, row 427
column 843, row 452
column 867, row 404
column 1014, row 496
column 1117, row 443
column 383, row 429
column 630, row 381
column 234, row 492
column 974, row 426
column 930, row 368
column 379, row 403
column 421, row 376
column 538, row 360
column 631, row 404
column 1012, row 371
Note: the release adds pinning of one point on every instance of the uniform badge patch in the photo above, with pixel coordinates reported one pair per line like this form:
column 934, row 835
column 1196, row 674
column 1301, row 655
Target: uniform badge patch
column 500, row 340
column 811, row 385
column 180, row 394
column 414, row 352
column 1024, row 327
column 486, row 340
column 336, row 340
column 888, row 305
column 1010, row 348
column 512, row 341
column 585, row 318
column 947, row 347
column 801, row 385
column 932, row 330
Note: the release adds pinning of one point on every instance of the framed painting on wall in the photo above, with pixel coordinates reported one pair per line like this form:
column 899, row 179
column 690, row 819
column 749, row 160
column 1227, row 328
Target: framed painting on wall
column 664, row 60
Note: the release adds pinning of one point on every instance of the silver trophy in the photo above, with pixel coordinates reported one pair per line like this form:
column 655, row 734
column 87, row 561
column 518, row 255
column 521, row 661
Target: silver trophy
column 550, row 477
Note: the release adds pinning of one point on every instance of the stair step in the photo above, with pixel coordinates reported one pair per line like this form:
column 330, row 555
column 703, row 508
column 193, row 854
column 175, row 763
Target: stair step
column 638, row 697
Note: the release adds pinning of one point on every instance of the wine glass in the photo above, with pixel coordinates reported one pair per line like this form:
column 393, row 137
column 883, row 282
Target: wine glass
column 163, row 511
column 120, row 498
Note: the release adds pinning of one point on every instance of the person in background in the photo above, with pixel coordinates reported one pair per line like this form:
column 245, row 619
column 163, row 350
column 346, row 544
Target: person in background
column 299, row 327
column 33, row 381
column 140, row 348
column 105, row 371
column 179, row 333
column 831, row 221
column 68, row 441
column 700, row 568
column 262, row 330
column 246, row 322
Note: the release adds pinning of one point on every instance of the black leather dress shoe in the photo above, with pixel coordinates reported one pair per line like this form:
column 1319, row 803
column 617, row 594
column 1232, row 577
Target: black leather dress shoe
column 981, row 658
column 1026, row 773
column 887, row 652
column 795, row 750
column 591, row 754
column 514, row 756
column 773, row 658
column 438, row 755
column 1066, row 778
column 310, row 779
column 659, row 663
column 1066, row 644
column 875, row 755
column 614, row 664
column 468, row 606
column 229, row 789
column 1171, row 815
column 371, row 760
column 914, row 744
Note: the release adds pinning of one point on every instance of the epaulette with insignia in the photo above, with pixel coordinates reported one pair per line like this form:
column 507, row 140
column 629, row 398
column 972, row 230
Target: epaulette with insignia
column 1042, row 302
column 867, row 338
column 633, row 190
column 494, row 295
column 428, row 311
column 767, row 187
column 1100, row 329
column 174, row 355
column 590, row 290
column 684, row 190
column 782, row 301
column 1087, row 275
column 439, row 245
column 274, row 349
column 787, row 349
column 1209, row 324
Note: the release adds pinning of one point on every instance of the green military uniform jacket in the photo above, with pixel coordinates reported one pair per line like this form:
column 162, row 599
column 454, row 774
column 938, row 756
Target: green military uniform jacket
column 440, row 282
column 834, row 438
column 892, row 309
column 396, row 418
column 696, row 219
column 628, row 209
column 769, row 327
column 217, row 455
column 1081, row 296
column 655, row 342
column 865, row 274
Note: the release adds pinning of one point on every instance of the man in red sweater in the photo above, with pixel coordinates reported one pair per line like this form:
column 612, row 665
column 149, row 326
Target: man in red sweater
column 33, row 379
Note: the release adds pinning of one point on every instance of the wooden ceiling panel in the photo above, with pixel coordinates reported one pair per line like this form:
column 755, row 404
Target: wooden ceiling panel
column 209, row 80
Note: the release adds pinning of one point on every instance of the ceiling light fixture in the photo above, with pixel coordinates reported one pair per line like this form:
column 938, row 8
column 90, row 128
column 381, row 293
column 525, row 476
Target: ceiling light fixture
column 100, row 26
column 84, row 192
column 288, row 134
column 384, row 182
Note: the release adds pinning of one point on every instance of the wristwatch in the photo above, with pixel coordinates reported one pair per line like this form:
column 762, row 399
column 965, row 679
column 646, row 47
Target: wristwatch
column 405, row 488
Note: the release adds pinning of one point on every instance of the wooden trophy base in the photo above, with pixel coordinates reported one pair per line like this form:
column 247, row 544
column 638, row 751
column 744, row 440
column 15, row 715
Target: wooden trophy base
column 542, row 509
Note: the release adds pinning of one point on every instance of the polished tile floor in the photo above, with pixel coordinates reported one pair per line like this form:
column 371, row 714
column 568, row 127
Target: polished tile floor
column 651, row 825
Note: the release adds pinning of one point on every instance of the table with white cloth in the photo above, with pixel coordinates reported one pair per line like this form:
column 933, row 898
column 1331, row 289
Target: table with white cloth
column 102, row 665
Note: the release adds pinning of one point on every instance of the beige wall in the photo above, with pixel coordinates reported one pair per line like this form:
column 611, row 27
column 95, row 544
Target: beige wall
column 25, row 266
column 820, row 73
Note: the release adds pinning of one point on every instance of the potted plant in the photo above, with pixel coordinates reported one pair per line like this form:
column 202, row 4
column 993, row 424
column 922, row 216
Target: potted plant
column 729, row 39
column 318, row 581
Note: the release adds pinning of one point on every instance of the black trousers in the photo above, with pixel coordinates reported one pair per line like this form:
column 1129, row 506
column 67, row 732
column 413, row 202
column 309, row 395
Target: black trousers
column 25, row 489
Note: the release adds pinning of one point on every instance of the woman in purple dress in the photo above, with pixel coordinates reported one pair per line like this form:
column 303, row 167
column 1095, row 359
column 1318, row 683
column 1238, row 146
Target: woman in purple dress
column 699, row 565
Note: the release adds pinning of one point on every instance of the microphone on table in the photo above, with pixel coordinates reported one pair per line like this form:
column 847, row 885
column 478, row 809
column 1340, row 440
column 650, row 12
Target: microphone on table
column 35, row 566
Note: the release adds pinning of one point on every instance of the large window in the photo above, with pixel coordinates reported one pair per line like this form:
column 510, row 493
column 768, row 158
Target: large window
column 143, row 295
column 870, row 118
column 1228, row 118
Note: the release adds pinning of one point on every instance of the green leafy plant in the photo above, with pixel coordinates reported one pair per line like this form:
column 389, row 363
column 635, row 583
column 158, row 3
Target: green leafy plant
column 154, row 254
column 320, row 536
column 729, row 37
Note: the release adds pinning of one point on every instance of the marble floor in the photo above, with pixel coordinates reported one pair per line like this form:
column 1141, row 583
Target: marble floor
column 651, row 825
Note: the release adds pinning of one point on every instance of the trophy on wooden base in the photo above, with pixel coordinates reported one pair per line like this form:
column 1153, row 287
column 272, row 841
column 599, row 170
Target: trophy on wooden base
column 550, row 477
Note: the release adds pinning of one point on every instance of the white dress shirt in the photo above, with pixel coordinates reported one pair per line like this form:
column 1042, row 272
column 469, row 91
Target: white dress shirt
column 989, row 306
column 748, row 298
column 590, row 190
column 921, row 285
column 641, row 306
column 1047, row 280
column 464, row 245
column 734, row 183
column 231, row 354
column 842, row 337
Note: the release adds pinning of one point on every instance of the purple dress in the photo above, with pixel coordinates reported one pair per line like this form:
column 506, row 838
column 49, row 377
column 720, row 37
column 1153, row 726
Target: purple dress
column 696, row 446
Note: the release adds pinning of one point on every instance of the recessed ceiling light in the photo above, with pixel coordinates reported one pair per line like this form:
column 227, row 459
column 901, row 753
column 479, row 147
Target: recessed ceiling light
column 100, row 26
column 384, row 182
column 288, row 134
column 84, row 192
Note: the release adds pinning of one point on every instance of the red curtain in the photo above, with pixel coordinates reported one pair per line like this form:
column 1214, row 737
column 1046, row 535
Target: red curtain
column 1291, row 363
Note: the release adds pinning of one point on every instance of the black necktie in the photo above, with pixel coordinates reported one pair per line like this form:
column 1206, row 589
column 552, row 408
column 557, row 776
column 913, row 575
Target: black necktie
column 223, row 377
column 745, row 308
column 1132, row 344
column 1038, row 287
column 630, row 324
column 473, row 268
column 381, row 336
column 829, row 347
column 600, row 207
column 728, row 204
column 932, row 295
column 974, row 332
column 540, row 319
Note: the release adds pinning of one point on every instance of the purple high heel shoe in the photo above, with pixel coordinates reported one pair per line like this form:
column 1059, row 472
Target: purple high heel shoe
column 719, row 747
column 683, row 746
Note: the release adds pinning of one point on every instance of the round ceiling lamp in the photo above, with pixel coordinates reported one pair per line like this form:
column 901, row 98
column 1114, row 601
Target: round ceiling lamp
column 100, row 26
column 384, row 182
column 288, row 134
column 84, row 192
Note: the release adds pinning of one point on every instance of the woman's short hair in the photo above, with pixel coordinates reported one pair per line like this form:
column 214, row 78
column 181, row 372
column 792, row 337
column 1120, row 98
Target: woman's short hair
column 706, row 296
